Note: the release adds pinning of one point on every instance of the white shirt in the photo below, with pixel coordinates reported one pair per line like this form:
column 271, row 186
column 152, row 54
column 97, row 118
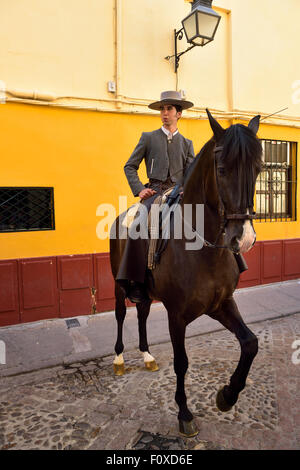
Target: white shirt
column 169, row 133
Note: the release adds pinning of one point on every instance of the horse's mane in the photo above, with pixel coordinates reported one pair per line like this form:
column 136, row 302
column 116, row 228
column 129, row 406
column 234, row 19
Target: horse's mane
column 206, row 149
column 241, row 154
column 240, row 147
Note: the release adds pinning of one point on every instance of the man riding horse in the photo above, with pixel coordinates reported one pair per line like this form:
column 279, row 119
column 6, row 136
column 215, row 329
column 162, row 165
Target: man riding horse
column 167, row 155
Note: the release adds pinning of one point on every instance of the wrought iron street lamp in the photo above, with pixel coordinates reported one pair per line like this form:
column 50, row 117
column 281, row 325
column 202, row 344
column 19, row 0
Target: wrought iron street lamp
column 199, row 26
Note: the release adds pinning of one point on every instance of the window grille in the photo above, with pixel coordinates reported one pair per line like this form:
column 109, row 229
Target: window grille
column 26, row 209
column 276, row 184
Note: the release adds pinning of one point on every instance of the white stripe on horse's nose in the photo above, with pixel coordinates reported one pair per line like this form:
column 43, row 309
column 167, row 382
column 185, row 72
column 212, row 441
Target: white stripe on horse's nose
column 248, row 237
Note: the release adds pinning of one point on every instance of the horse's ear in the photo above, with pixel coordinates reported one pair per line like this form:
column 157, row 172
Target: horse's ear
column 254, row 124
column 216, row 127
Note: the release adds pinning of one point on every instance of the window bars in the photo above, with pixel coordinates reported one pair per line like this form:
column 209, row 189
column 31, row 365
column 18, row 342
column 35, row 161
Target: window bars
column 26, row 209
column 276, row 184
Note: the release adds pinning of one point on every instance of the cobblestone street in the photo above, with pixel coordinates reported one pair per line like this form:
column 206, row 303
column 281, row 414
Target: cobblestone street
column 84, row 406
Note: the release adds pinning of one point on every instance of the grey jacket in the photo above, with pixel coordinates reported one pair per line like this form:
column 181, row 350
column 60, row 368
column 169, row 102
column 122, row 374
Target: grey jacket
column 160, row 157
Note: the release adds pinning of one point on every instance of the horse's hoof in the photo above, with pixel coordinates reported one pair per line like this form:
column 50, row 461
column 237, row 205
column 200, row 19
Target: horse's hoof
column 151, row 366
column 187, row 428
column 119, row 369
column 221, row 402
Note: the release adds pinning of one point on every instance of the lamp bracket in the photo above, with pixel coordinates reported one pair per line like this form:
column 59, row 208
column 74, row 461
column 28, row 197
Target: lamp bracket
column 178, row 35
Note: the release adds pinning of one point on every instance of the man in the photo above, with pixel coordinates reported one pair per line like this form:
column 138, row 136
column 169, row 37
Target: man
column 167, row 155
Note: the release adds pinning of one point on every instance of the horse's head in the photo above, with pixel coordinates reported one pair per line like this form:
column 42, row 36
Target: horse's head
column 237, row 155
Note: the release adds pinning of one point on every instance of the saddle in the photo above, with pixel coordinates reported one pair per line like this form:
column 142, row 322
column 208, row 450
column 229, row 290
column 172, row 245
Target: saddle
column 158, row 222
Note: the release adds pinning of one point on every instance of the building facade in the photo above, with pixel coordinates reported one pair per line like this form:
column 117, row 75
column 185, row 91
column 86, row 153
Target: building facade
column 76, row 78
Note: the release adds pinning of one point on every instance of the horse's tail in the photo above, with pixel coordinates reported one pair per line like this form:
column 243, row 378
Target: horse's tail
column 116, row 245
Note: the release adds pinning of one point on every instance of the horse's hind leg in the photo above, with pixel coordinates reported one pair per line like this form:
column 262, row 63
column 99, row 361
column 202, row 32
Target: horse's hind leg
column 143, row 309
column 177, row 332
column 230, row 317
column 120, row 312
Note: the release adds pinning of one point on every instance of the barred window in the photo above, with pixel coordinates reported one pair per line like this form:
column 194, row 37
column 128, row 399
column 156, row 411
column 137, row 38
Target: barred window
column 26, row 209
column 276, row 184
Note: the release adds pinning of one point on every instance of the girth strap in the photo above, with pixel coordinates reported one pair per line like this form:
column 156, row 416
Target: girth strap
column 240, row 216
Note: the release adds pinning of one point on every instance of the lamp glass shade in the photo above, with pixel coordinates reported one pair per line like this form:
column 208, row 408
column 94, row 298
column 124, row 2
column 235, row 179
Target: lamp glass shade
column 190, row 26
column 207, row 24
column 200, row 25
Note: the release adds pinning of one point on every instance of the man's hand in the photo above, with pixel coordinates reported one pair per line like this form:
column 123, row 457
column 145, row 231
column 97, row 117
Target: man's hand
column 147, row 192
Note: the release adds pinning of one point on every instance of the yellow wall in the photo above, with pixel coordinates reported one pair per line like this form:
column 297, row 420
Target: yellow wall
column 70, row 50
column 265, row 40
column 81, row 154
column 57, row 46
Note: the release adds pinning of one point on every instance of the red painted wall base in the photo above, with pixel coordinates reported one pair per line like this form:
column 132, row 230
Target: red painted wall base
column 65, row 286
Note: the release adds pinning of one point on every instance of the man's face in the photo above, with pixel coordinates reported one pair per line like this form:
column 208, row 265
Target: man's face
column 169, row 115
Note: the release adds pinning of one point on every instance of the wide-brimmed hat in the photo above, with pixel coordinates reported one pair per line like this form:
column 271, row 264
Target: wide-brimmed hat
column 170, row 97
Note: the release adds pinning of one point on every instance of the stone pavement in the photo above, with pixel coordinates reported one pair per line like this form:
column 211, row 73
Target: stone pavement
column 50, row 343
column 82, row 405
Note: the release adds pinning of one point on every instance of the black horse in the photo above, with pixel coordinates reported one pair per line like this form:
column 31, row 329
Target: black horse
column 191, row 283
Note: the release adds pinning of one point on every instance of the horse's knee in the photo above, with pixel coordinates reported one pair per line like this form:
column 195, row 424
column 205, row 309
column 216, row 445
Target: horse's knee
column 250, row 345
column 120, row 308
column 181, row 365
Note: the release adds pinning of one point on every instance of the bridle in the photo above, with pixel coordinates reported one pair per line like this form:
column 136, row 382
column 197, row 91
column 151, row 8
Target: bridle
column 225, row 217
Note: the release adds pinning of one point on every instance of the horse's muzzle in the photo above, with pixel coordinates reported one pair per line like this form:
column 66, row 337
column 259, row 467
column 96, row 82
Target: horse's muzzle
column 239, row 236
column 248, row 238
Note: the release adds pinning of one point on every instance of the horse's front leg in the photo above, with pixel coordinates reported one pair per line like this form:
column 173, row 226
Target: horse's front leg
column 143, row 309
column 177, row 332
column 230, row 317
column 120, row 313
